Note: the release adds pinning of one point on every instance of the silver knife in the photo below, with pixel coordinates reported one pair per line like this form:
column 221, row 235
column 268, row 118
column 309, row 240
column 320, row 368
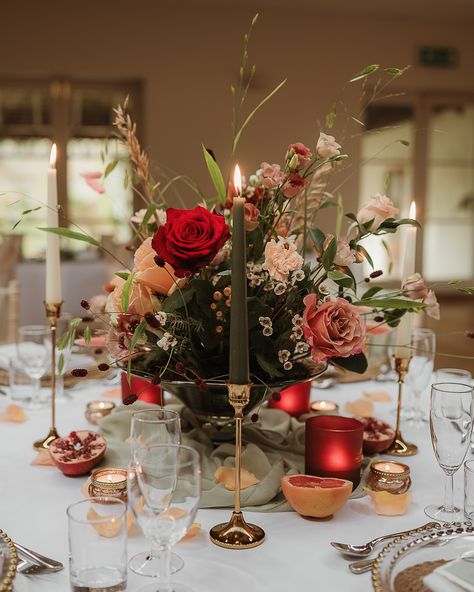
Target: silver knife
column 51, row 564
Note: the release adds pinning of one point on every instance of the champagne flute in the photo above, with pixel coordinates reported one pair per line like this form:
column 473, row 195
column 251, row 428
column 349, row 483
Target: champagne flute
column 423, row 348
column 168, row 479
column 148, row 427
column 32, row 351
column 451, row 414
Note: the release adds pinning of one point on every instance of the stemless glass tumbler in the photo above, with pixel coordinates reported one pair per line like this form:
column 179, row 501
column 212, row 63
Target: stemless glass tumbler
column 98, row 545
column 451, row 414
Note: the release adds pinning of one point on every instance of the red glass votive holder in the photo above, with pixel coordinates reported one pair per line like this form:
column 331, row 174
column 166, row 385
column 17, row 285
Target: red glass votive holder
column 145, row 391
column 334, row 447
column 294, row 399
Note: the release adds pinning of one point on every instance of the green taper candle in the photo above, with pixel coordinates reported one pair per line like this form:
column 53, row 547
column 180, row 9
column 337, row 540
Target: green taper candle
column 239, row 335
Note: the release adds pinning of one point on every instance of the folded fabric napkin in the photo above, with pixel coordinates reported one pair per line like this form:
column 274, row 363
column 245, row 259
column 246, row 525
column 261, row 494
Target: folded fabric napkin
column 455, row 576
column 273, row 447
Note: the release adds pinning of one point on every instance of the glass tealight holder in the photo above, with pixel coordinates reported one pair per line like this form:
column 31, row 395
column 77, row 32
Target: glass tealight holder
column 392, row 477
column 96, row 410
column 109, row 482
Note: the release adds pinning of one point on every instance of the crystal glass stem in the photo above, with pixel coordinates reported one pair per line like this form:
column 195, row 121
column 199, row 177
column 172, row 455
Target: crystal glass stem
column 449, row 493
column 164, row 557
column 35, row 395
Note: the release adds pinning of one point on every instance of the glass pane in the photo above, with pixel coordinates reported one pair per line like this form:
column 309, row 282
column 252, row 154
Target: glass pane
column 449, row 223
column 23, row 180
column 387, row 168
column 99, row 214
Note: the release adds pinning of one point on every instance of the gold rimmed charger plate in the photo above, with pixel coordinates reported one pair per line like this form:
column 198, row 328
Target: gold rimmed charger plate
column 8, row 562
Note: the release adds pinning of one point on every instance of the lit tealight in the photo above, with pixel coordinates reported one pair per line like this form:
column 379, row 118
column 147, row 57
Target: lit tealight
column 324, row 407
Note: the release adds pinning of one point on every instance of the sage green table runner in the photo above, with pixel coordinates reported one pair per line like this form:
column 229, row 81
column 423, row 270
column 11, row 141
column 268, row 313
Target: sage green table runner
column 272, row 447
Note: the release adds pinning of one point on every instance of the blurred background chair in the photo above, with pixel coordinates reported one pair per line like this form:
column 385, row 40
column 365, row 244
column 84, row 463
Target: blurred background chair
column 10, row 307
column 10, row 253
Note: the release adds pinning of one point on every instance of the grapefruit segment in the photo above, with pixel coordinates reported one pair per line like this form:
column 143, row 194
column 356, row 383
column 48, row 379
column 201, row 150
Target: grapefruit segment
column 317, row 497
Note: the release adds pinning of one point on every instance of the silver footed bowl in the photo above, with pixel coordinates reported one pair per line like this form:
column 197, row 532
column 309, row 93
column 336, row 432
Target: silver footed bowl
column 213, row 405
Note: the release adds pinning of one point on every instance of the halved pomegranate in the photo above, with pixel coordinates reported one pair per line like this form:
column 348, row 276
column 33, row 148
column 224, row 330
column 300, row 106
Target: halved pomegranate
column 318, row 497
column 378, row 435
column 77, row 453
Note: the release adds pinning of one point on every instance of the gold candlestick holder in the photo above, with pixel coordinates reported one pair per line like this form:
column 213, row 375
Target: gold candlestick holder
column 237, row 533
column 53, row 312
column 399, row 447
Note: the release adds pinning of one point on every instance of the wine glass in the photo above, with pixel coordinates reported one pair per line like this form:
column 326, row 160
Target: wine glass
column 33, row 353
column 453, row 375
column 149, row 427
column 168, row 479
column 423, row 349
column 451, row 414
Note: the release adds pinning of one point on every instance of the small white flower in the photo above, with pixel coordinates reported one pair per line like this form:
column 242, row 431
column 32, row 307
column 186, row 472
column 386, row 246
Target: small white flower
column 161, row 317
column 297, row 320
column 299, row 275
column 269, row 286
column 280, row 289
column 167, row 341
column 265, row 321
column 301, row 347
column 287, row 365
column 267, row 331
column 298, row 332
column 283, row 355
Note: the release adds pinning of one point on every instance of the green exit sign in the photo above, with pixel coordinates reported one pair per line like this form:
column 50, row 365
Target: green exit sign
column 438, row 56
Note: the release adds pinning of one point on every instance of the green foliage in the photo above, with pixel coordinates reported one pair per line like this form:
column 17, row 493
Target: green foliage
column 356, row 363
column 331, row 117
column 329, row 253
column 126, row 292
column 73, row 234
column 367, row 71
column 216, row 175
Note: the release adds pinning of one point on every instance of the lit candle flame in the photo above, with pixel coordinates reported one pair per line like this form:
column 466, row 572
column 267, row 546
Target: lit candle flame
column 52, row 158
column 412, row 213
column 237, row 180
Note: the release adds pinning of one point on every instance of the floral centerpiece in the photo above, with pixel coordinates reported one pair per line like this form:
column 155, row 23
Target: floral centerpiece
column 168, row 316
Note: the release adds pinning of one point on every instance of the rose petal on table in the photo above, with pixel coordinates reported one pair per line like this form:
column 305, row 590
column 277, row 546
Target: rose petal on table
column 389, row 504
column 115, row 393
column 43, row 459
column 359, row 407
column 108, row 529
column 97, row 341
column 377, row 396
column 14, row 414
column 226, row 476
column 192, row 532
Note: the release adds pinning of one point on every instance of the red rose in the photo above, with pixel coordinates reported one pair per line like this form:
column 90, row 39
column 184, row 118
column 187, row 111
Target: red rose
column 190, row 239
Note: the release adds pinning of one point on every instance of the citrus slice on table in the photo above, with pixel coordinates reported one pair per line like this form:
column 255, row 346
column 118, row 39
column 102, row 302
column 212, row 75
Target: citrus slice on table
column 317, row 497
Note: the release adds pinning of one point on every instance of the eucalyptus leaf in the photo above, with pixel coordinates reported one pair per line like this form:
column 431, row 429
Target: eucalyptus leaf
column 318, row 238
column 137, row 334
column 363, row 251
column 61, row 363
column 329, row 253
column 398, row 303
column 110, row 167
column 73, row 234
column 216, row 175
column 122, row 274
column 341, row 279
column 365, row 72
column 126, row 292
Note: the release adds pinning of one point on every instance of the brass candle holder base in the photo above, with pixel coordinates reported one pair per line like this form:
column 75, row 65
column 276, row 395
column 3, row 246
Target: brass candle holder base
column 44, row 444
column 53, row 312
column 399, row 446
column 237, row 534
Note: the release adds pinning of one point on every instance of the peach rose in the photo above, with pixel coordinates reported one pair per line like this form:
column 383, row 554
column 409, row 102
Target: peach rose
column 432, row 303
column 149, row 274
column 414, row 287
column 251, row 214
column 379, row 209
column 281, row 258
column 140, row 299
column 332, row 329
column 344, row 254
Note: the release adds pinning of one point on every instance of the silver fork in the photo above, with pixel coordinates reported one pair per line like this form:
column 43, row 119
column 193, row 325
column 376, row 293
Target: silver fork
column 31, row 569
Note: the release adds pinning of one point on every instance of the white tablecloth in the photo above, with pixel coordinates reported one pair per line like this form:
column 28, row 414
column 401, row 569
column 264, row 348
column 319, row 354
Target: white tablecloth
column 295, row 556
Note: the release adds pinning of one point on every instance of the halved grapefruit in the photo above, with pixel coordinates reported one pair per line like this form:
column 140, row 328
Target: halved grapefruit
column 318, row 497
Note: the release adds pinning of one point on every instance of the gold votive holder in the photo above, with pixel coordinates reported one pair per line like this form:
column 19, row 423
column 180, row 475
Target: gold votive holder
column 96, row 410
column 390, row 476
column 109, row 482
column 323, row 407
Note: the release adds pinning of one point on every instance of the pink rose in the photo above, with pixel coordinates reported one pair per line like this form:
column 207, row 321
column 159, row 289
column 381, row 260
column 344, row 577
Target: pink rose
column 332, row 329
column 298, row 156
column 344, row 254
column 432, row 303
column 293, row 185
column 327, row 146
column 281, row 258
column 379, row 209
column 148, row 273
column 251, row 214
column 271, row 174
column 415, row 287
